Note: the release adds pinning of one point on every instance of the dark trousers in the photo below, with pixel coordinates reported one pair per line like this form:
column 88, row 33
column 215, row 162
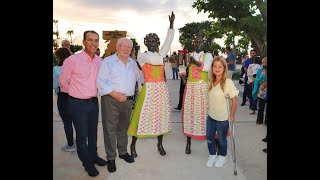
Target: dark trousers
column 253, row 103
column 245, row 90
column 260, row 116
column 181, row 91
column 85, row 116
column 115, row 122
column 64, row 112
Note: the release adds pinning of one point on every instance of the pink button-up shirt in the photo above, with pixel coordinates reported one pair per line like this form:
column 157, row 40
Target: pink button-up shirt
column 78, row 75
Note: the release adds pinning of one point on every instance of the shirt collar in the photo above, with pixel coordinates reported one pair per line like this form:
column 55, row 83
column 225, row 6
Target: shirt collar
column 117, row 59
column 83, row 53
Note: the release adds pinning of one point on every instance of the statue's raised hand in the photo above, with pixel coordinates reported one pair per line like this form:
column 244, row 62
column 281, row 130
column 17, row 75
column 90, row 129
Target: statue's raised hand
column 171, row 19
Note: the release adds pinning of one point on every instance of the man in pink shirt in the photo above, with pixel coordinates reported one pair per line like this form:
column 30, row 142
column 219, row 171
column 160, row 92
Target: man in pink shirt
column 78, row 78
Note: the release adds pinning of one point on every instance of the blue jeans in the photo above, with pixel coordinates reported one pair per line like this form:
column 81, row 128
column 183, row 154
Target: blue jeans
column 174, row 73
column 221, row 127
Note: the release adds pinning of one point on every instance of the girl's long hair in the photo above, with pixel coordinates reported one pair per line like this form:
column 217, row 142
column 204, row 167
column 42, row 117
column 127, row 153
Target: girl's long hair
column 213, row 77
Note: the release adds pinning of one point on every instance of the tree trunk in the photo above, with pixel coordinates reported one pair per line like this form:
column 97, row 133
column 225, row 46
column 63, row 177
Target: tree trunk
column 258, row 45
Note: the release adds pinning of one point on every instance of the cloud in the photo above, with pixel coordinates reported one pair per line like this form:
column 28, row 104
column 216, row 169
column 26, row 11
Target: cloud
column 137, row 17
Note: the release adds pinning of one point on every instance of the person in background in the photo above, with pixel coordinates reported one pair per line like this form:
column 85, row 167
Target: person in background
column 231, row 62
column 78, row 79
column 215, row 53
column 151, row 115
column 260, row 90
column 251, row 73
column 62, row 101
column 66, row 44
column 183, row 81
column 221, row 88
column 174, row 65
column 241, row 79
column 195, row 98
column 253, row 53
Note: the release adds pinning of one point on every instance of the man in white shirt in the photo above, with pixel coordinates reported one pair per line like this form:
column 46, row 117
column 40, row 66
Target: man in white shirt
column 116, row 81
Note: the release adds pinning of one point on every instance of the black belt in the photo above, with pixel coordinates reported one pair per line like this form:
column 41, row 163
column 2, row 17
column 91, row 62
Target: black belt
column 85, row 100
column 63, row 93
column 129, row 97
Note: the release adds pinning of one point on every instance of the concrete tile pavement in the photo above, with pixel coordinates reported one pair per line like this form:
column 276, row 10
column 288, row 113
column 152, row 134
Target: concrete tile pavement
column 251, row 161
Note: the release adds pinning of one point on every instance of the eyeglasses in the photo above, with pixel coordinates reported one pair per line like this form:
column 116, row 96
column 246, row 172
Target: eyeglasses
column 125, row 47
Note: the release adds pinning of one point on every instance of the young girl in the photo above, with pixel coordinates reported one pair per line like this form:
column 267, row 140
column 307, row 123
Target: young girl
column 220, row 87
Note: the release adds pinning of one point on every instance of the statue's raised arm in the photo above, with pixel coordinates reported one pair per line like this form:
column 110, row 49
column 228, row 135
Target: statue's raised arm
column 171, row 19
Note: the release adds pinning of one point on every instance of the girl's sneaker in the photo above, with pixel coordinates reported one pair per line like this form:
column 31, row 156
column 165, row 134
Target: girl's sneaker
column 221, row 160
column 211, row 160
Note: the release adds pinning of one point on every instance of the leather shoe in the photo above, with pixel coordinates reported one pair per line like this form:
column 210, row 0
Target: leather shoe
column 112, row 166
column 100, row 161
column 161, row 150
column 242, row 104
column 91, row 170
column 264, row 150
column 188, row 148
column 133, row 151
column 127, row 158
column 264, row 139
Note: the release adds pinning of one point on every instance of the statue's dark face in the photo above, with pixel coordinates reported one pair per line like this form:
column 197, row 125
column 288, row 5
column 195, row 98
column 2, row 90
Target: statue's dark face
column 197, row 42
column 152, row 42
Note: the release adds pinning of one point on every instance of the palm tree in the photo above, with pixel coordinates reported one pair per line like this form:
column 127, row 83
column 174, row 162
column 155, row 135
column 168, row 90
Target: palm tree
column 56, row 33
column 70, row 32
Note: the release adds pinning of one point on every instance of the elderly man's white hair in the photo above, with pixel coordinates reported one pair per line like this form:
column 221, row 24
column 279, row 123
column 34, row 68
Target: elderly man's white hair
column 120, row 41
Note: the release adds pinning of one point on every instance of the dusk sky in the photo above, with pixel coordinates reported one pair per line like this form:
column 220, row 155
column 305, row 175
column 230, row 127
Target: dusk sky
column 137, row 17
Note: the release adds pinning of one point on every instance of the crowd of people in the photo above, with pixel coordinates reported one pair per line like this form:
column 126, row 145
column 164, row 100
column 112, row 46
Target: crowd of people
column 255, row 87
column 207, row 97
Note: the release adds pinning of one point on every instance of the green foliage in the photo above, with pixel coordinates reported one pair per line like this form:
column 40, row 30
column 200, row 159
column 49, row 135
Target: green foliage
column 187, row 32
column 75, row 48
column 135, row 44
column 212, row 31
column 239, row 16
column 214, row 46
column 56, row 33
